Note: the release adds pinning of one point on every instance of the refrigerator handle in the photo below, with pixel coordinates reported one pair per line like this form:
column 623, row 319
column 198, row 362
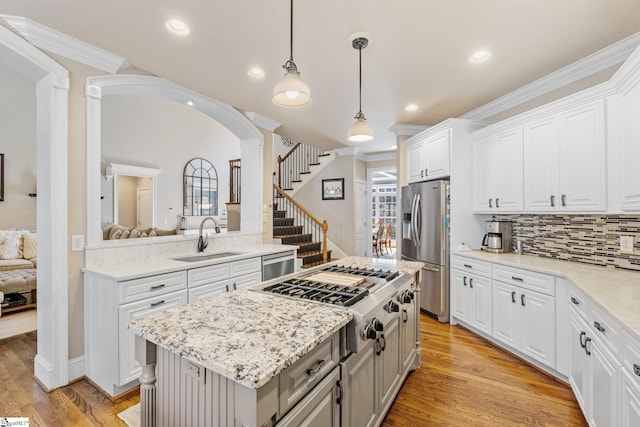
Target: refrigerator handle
column 413, row 220
column 418, row 219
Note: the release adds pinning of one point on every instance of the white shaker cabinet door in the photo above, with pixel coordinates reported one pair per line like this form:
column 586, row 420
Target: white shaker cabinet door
column 578, row 366
column 630, row 401
column 480, row 301
column 507, row 316
column 416, row 162
column 603, row 411
column 437, row 155
column 582, row 158
column 483, row 175
column 507, row 165
column 538, row 339
column 460, row 301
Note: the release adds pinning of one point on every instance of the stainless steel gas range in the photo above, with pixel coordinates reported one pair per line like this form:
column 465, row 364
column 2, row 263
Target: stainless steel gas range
column 379, row 346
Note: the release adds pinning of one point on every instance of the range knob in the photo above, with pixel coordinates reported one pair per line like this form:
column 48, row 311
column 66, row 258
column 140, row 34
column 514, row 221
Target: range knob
column 392, row 306
column 369, row 333
column 411, row 295
column 377, row 325
column 405, row 297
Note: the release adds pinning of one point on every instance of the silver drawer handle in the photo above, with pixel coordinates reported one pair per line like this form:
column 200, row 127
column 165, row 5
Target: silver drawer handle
column 636, row 369
column 598, row 326
column 157, row 303
column 155, row 288
column 315, row 368
column 518, row 279
column 575, row 301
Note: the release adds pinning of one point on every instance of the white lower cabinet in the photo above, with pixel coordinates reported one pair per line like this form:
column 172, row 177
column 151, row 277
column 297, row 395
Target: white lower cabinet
column 594, row 372
column 472, row 299
column 629, row 401
column 525, row 320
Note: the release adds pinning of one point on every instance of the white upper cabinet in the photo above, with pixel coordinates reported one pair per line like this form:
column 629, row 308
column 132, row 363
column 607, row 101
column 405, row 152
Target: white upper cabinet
column 428, row 156
column 625, row 156
column 565, row 160
column 497, row 171
column 582, row 157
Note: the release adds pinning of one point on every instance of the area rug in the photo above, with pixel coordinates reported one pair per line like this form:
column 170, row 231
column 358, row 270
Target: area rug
column 131, row 415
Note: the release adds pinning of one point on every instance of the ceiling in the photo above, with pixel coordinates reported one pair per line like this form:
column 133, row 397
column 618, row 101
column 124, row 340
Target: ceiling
column 418, row 51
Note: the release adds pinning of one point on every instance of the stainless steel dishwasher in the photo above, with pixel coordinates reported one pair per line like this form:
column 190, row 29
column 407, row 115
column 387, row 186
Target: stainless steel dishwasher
column 277, row 265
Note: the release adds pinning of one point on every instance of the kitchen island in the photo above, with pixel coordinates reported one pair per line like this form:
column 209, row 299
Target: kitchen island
column 253, row 358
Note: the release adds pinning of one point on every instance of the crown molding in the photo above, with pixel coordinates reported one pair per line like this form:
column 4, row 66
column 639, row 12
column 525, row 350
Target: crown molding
column 399, row 129
column 347, row 151
column 390, row 155
column 61, row 44
column 598, row 61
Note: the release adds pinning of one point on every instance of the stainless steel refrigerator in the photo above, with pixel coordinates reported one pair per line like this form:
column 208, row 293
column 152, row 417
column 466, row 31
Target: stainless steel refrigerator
column 425, row 238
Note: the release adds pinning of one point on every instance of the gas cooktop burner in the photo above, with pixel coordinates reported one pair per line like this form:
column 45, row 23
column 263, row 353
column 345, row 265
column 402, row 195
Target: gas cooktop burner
column 387, row 275
column 317, row 291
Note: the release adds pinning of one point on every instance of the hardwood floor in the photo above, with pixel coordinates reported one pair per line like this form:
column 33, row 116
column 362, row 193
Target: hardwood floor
column 78, row 404
column 466, row 381
column 463, row 381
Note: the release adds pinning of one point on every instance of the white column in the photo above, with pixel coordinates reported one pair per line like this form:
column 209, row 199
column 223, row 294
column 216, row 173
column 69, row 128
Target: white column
column 146, row 356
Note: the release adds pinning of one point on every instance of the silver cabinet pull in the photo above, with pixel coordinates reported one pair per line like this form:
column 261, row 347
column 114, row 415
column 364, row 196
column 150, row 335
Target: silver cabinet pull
column 227, row 287
column 315, row 368
column 522, row 299
column 464, row 280
column 497, row 203
column 575, row 301
column 405, row 316
column 517, row 279
column 582, row 335
column 468, row 266
column 563, row 199
column 157, row 303
column 586, row 350
column 598, row 326
column 490, row 205
column 636, row 369
column 553, row 201
column 235, row 287
column 471, row 282
column 513, row 297
column 155, row 288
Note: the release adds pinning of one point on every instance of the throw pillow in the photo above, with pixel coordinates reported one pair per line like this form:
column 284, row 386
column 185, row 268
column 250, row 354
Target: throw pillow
column 116, row 235
column 134, row 233
column 9, row 244
column 30, row 248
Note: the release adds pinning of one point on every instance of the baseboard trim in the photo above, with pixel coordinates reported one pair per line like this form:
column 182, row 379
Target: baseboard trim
column 76, row 368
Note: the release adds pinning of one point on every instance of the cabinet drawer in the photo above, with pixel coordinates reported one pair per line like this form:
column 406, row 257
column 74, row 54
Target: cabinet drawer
column 206, row 275
column 298, row 379
column 578, row 301
column 525, row 279
column 148, row 287
column 471, row 265
column 631, row 357
column 244, row 281
column 209, row 290
column 606, row 328
column 245, row 266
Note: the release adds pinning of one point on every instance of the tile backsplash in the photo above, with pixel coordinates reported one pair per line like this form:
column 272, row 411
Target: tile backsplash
column 592, row 239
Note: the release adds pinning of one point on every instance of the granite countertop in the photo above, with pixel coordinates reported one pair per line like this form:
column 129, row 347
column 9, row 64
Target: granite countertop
column 249, row 337
column 616, row 291
column 135, row 270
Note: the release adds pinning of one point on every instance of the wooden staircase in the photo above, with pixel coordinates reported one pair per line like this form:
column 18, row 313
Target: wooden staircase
column 309, row 236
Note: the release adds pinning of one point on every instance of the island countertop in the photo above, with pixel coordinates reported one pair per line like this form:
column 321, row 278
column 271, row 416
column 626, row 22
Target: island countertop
column 247, row 336
column 250, row 337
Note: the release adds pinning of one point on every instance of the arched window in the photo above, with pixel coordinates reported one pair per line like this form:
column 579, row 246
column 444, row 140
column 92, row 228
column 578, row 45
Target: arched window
column 200, row 192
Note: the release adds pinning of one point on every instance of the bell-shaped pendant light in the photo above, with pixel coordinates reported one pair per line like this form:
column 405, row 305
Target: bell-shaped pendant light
column 360, row 132
column 291, row 91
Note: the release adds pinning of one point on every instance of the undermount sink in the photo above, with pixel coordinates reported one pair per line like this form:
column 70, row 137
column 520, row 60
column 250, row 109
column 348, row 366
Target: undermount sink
column 196, row 258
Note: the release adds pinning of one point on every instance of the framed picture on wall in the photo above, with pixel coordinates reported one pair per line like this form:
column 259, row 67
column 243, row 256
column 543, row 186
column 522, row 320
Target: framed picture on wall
column 1, row 177
column 333, row 189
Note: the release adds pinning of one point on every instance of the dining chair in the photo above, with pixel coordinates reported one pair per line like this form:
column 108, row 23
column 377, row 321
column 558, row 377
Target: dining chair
column 378, row 237
column 388, row 236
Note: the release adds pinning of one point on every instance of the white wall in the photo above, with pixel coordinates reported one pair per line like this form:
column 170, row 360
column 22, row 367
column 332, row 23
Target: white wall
column 338, row 213
column 17, row 143
column 157, row 133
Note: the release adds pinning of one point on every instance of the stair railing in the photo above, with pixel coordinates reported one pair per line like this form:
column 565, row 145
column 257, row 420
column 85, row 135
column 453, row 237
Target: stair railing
column 310, row 224
column 296, row 162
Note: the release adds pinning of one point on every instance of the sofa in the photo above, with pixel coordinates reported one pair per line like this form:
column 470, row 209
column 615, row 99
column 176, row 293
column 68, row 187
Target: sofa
column 119, row 232
column 18, row 269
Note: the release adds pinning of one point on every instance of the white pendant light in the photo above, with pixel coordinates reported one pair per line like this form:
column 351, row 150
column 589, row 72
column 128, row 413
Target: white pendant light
column 360, row 132
column 291, row 91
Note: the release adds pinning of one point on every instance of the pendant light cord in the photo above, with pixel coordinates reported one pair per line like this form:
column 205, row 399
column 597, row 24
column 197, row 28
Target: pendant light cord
column 291, row 33
column 360, row 79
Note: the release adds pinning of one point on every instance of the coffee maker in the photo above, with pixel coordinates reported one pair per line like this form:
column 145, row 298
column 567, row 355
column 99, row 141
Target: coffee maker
column 498, row 237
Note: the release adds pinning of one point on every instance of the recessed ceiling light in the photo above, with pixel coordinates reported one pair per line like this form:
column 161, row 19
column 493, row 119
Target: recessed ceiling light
column 479, row 56
column 190, row 103
column 256, row 73
column 177, row 27
column 393, row 147
column 411, row 107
